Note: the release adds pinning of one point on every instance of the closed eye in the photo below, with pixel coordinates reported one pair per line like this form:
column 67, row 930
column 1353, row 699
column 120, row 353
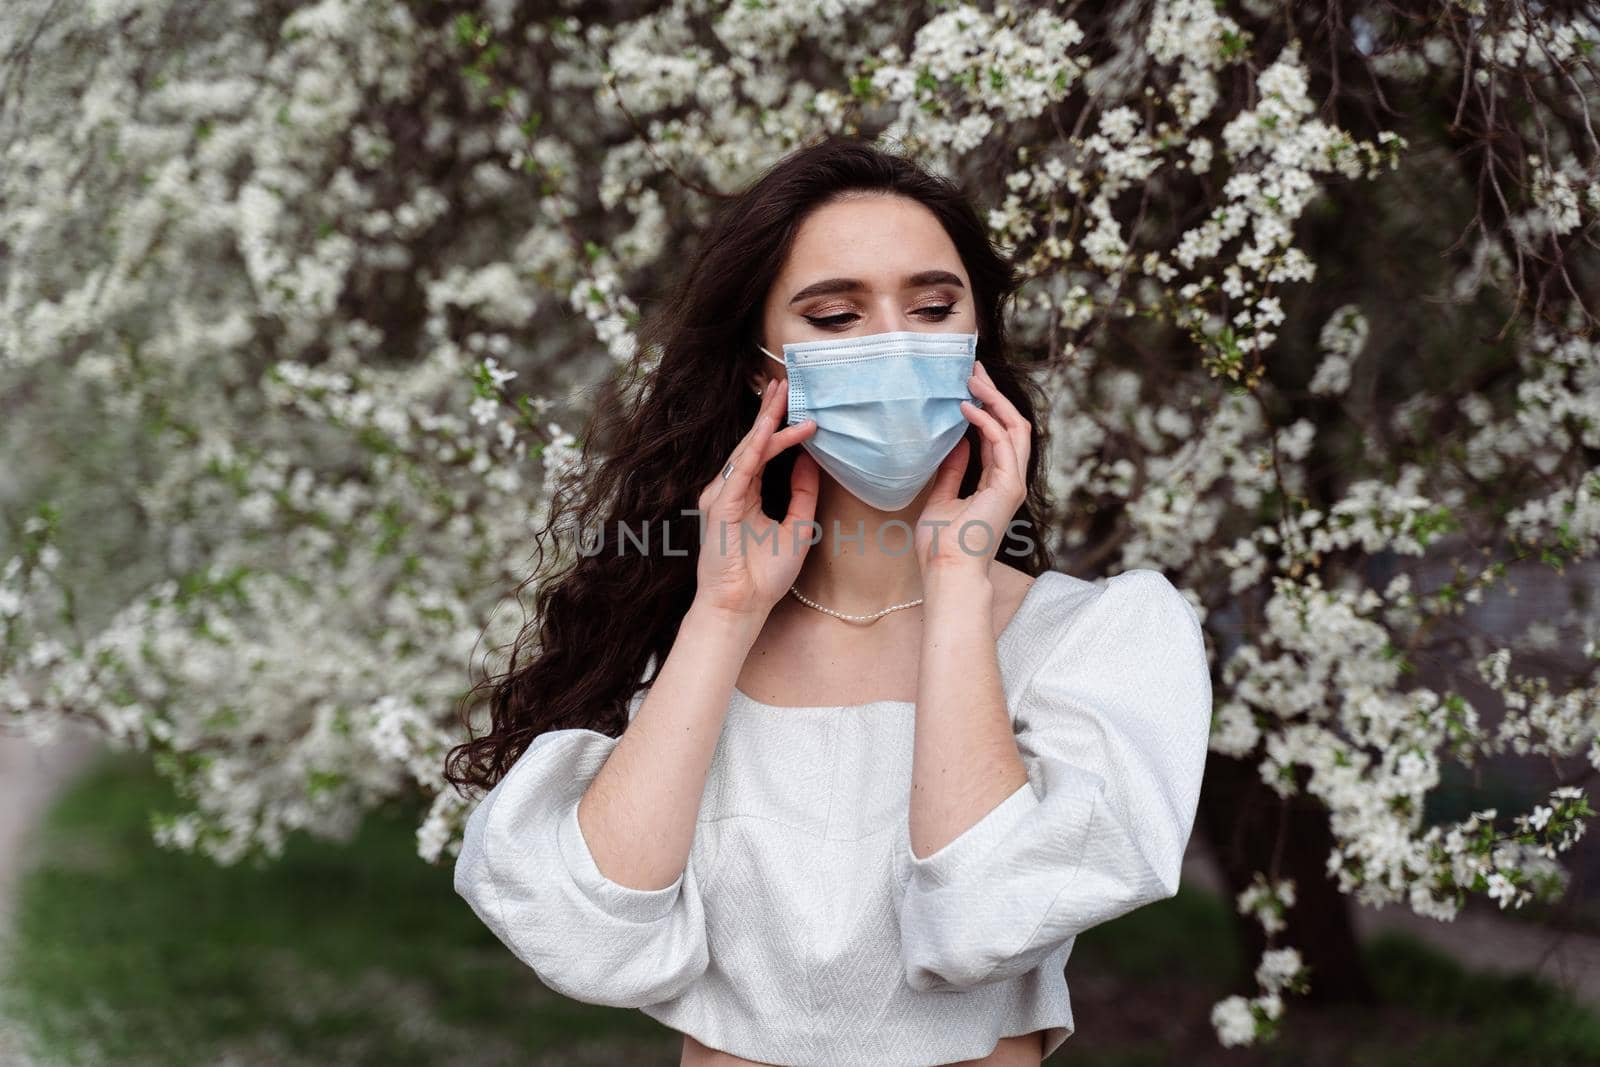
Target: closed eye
column 933, row 313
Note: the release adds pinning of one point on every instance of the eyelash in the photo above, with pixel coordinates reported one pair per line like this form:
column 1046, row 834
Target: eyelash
column 945, row 311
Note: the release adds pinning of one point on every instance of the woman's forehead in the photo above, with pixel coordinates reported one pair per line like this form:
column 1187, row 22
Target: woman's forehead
column 879, row 240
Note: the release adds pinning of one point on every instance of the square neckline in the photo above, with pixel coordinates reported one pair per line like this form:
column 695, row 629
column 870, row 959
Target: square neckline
column 740, row 697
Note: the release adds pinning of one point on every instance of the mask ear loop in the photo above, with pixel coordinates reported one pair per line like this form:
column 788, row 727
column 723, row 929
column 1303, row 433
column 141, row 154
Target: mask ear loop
column 770, row 356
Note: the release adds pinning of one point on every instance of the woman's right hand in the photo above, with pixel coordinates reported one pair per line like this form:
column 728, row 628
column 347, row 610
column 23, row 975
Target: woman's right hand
column 747, row 560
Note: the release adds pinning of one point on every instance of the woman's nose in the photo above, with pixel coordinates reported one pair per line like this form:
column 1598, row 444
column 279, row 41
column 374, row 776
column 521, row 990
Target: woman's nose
column 890, row 316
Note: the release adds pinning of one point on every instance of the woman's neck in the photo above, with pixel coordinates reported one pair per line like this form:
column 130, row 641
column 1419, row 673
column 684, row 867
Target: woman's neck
column 866, row 559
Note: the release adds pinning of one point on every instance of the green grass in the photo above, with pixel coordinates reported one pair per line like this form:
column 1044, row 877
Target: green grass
column 128, row 954
column 359, row 954
column 1502, row 1018
column 1179, row 954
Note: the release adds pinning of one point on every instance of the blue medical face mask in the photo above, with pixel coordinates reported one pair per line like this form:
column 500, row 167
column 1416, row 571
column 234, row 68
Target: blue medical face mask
column 887, row 406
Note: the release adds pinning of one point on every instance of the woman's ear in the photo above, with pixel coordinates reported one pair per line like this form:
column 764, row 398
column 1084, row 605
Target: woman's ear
column 762, row 374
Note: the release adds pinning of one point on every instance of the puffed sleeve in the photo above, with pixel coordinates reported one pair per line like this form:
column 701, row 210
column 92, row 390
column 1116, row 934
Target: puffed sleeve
column 1113, row 728
column 526, row 870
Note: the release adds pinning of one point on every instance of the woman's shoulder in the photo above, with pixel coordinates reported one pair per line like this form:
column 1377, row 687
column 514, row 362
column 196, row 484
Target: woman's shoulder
column 1137, row 584
column 1048, row 598
column 1138, row 617
column 1130, row 645
column 1137, row 604
column 1152, row 591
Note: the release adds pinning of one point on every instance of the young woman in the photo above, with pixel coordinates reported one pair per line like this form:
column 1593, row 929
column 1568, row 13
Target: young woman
column 841, row 788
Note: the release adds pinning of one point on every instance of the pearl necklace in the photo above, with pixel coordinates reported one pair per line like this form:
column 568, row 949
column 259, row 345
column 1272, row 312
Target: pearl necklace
column 852, row 618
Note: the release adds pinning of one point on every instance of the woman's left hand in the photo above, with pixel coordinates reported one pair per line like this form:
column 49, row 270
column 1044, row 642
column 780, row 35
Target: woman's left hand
column 953, row 531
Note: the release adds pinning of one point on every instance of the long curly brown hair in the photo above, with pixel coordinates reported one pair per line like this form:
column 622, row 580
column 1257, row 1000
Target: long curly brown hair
column 602, row 613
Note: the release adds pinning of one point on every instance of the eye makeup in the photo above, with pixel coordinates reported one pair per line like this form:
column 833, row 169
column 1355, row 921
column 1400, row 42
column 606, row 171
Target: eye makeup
column 926, row 313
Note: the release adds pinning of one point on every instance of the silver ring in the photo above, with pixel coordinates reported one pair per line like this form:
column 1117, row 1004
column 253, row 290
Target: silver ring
column 727, row 470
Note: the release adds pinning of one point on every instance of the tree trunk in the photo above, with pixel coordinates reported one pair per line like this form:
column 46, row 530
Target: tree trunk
column 1243, row 820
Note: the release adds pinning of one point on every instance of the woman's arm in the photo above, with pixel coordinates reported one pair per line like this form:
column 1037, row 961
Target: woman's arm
column 605, row 907
column 964, row 758
column 638, row 815
column 1113, row 726
column 578, row 858
column 964, row 754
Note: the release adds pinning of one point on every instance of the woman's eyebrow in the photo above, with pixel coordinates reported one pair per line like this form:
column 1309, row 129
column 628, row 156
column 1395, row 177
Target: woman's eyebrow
column 848, row 285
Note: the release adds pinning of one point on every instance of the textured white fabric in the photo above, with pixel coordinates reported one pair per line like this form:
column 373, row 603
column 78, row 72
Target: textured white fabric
column 803, row 931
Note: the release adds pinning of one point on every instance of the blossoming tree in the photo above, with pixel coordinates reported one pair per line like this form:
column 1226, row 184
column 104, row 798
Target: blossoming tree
column 301, row 301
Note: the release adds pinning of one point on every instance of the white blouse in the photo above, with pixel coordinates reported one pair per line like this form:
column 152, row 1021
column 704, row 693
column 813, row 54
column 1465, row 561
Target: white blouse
column 803, row 931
